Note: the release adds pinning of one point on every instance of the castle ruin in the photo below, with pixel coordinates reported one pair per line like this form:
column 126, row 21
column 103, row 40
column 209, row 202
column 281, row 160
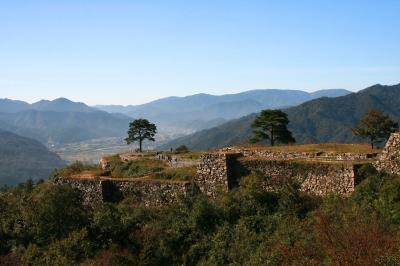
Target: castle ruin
column 318, row 173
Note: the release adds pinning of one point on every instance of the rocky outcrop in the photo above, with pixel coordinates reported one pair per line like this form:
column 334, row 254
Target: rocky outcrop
column 105, row 163
column 389, row 160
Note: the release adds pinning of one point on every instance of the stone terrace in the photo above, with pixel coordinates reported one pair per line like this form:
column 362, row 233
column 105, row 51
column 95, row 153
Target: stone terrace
column 320, row 169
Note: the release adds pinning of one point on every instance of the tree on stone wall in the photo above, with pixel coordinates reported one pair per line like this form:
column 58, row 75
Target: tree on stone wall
column 376, row 126
column 271, row 125
column 139, row 130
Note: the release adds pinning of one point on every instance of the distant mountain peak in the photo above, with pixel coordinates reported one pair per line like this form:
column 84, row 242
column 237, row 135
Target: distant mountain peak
column 61, row 105
column 320, row 120
column 62, row 99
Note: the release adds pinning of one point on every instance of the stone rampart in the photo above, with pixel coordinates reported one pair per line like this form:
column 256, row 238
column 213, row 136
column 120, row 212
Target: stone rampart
column 389, row 160
column 316, row 178
column 214, row 172
column 222, row 171
column 325, row 156
column 148, row 192
column 91, row 189
column 318, row 173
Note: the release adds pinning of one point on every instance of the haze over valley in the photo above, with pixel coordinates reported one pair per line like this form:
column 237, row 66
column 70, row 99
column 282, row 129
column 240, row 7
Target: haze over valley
column 199, row 133
column 76, row 130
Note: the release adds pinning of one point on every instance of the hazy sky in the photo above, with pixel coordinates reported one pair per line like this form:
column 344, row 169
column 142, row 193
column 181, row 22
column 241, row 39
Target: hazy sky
column 129, row 52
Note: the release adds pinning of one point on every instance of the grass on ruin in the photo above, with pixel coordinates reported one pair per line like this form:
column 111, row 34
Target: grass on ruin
column 307, row 161
column 179, row 174
column 77, row 168
column 190, row 155
column 135, row 168
column 325, row 147
column 148, row 166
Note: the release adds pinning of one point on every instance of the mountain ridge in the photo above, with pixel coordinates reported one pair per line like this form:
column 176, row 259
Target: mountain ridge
column 129, row 108
column 60, row 105
column 204, row 107
column 319, row 120
column 23, row 158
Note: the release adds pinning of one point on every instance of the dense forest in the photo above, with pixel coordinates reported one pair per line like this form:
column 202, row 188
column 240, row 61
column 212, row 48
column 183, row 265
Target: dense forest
column 44, row 224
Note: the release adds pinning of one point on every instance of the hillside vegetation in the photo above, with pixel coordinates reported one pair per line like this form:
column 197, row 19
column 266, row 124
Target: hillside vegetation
column 318, row 121
column 246, row 226
column 23, row 158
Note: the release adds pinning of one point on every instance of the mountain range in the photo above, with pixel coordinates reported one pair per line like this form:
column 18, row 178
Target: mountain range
column 23, row 158
column 58, row 105
column 316, row 121
column 62, row 121
column 201, row 111
column 322, row 116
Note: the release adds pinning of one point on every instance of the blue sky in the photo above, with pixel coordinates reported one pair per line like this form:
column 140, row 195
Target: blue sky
column 130, row 52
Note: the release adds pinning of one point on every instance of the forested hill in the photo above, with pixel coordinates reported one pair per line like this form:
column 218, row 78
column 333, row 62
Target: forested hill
column 60, row 121
column 23, row 158
column 316, row 121
column 51, row 127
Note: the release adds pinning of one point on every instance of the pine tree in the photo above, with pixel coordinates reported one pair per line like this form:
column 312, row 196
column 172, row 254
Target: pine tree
column 139, row 130
column 272, row 125
column 376, row 126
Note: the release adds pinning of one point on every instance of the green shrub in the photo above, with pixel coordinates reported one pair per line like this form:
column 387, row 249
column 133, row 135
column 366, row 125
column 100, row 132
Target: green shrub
column 181, row 149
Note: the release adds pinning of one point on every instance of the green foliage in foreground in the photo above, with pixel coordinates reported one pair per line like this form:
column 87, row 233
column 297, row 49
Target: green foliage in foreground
column 43, row 224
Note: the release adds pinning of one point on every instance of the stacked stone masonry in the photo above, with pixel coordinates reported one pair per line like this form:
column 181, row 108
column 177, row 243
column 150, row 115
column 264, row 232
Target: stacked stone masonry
column 325, row 156
column 317, row 173
column 389, row 160
column 221, row 171
column 148, row 192
column 213, row 172
column 314, row 177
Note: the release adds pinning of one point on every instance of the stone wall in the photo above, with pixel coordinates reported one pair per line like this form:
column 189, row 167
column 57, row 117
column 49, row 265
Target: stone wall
column 318, row 173
column 325, row 156
column 214, row 172
column 154, row 192
column 148, row 192
column 316, row 178
column 222, row 171
column 91, row 189
column 389, row 159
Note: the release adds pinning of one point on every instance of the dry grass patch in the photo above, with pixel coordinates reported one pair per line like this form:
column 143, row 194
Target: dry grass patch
column 181, row 174
column 325, row 147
